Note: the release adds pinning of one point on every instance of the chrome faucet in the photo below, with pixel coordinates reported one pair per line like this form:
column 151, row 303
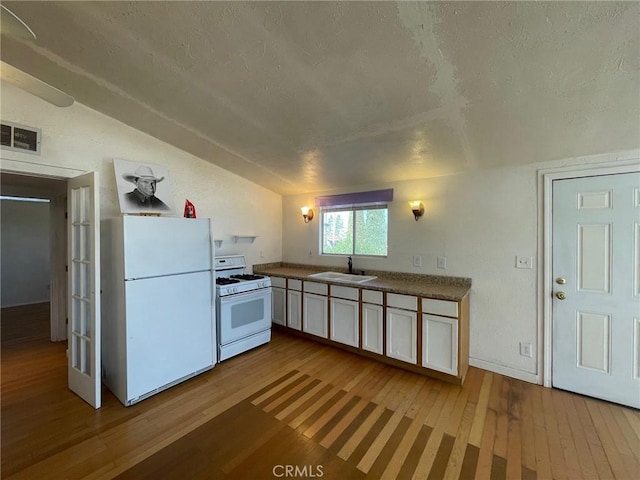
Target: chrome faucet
column 350, row 264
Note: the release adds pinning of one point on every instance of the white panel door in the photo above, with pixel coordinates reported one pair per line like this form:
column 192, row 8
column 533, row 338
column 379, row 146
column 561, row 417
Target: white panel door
column 596, row 279
column 83, row 225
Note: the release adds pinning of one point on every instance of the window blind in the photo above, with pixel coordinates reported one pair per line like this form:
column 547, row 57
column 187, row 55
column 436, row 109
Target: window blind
column 356, row 198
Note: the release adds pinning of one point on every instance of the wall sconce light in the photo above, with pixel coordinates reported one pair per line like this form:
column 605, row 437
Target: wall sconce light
column 417, row 208
column 307, row 214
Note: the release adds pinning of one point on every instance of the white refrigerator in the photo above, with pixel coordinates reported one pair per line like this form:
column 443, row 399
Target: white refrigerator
column 158, row 310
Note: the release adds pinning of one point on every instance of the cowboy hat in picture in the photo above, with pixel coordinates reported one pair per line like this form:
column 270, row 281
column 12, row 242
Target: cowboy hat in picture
column 150, row 192
column 143, row 171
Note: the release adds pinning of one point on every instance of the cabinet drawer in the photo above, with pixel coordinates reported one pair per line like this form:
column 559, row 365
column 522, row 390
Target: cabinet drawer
column 349, row 293
column 295, row 284
column 440, row 307
column 372, row 296
column 402, row 301
column 278, row 282
column 318, row 288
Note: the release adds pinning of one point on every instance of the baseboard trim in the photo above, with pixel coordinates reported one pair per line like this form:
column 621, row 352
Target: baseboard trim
column 507, row 371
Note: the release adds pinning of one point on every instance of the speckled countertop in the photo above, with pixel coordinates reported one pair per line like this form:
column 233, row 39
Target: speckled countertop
column 431, row 286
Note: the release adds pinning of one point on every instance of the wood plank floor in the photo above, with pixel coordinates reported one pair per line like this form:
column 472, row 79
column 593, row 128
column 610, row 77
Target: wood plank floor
column 297, row 409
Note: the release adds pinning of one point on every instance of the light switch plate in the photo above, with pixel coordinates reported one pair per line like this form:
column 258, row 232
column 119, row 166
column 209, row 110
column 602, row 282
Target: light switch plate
column 442, row 262
column 417, row 261
column 524, row 262
column 526, row 349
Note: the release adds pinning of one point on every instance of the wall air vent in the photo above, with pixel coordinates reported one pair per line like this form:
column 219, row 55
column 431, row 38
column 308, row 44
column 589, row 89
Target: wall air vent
column 20, row 138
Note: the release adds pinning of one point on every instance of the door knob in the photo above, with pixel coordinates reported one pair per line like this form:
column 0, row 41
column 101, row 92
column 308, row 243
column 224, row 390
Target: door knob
column 561, row 295
column 560, row 281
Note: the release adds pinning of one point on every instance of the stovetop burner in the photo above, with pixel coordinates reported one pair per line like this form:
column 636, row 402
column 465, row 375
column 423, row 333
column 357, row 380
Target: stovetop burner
column 247, row 276
column 226, row 281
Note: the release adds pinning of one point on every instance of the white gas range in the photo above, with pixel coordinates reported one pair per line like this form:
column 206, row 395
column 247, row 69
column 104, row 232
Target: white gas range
column 243, row 307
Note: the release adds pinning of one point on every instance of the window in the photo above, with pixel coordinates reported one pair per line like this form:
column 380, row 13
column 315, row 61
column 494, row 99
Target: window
column 360, row 230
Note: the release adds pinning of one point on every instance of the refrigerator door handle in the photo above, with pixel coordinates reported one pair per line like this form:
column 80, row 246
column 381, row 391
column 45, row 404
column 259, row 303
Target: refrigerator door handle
column 167, row 275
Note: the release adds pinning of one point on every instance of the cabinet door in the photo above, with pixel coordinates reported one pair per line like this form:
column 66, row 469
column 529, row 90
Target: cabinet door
column 402, row 335
column 278, row 303
column 315, row 314
column 440, row 343
column 294, row 309
column 372, row 339
column 344, row 321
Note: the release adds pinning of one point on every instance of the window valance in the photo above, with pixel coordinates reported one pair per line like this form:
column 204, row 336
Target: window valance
column 356, row 198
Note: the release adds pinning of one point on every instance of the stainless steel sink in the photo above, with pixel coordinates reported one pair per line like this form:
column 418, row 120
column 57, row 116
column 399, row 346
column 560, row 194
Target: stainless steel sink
column 342, row 277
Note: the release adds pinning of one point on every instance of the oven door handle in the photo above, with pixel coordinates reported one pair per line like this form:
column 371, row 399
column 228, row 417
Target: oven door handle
column 235, row 297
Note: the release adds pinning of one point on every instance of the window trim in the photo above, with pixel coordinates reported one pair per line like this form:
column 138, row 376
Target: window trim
column 352, row 209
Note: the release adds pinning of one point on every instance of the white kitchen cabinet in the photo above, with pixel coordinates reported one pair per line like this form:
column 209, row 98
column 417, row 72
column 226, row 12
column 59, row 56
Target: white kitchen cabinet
column 372, row 328
column 419, row 333
column 344, row 316
column 294, row 309
column 279, row 300
column 440, row 343
column 372, row 321
column 440, row 335
column 315, row 316
column 278, row 306
column 344, row 321
column 402, row 334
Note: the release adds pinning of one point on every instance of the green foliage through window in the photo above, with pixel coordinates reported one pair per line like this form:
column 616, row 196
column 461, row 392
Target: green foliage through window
column 355, row 231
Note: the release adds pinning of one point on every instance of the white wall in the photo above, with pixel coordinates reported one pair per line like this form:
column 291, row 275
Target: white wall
column 82, row 139
column 25, row 266
column 480, row 221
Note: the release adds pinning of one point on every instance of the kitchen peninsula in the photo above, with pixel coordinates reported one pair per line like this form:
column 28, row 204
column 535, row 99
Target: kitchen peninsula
column 416, row 322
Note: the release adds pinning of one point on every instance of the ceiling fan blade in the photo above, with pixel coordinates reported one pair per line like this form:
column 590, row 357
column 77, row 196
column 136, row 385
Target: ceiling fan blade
column 35, row 86
column 11, row 24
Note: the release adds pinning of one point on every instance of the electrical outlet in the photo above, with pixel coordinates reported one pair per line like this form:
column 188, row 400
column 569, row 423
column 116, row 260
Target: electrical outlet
column 524, row 262
column 310, row 253
column 261, row 254
column 442, row 262
column 417, row 261
column 526, row 349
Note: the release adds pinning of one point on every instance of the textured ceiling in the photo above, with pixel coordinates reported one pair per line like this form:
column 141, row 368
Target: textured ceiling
column 308, row 96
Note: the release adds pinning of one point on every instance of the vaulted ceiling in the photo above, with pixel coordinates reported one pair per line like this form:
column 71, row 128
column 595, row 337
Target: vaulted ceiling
column 309, row 96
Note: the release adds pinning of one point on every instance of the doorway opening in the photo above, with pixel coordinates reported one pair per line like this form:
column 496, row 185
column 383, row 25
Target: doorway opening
column 33, row 256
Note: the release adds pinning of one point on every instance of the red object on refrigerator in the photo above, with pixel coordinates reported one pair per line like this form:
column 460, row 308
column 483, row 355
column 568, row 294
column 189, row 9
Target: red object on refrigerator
column 189, row 209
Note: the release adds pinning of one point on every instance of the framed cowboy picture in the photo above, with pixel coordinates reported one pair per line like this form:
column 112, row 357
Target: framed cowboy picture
column 143, row 188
